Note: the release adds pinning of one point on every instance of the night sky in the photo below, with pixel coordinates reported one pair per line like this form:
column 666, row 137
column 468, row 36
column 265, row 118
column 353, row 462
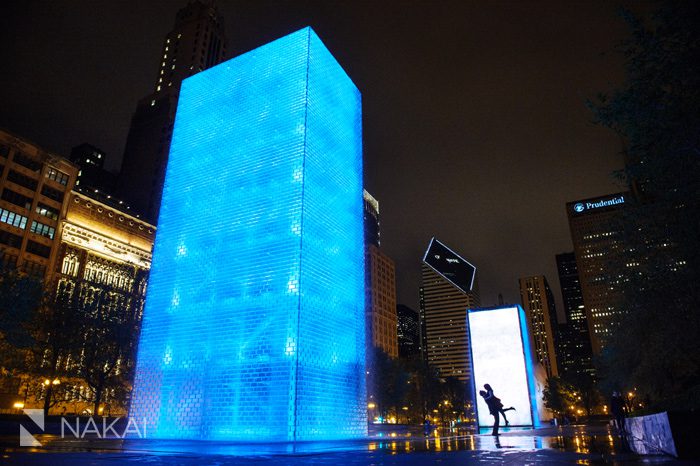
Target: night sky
column 475, row 124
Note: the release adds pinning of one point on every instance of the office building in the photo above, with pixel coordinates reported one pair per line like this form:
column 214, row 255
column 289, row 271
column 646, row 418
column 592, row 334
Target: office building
column 92, row 176
column 408, row 331
column 381, row 300
column 598, row 248
column 448, row 288
column 540, row 312
column 573, row 341
column 196, row 43
column 35, row 186
column 380, row 289
column 82, row 248
column 103, row 264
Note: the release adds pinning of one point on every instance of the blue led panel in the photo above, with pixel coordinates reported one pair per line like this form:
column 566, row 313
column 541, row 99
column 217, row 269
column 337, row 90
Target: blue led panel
column 254, row 320
column 502, row 358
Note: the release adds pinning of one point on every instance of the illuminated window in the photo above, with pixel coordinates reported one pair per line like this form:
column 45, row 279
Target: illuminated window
column 57, row 176
column 70, row 265
column 47, row 211
column 42, row 229
column 12, row 218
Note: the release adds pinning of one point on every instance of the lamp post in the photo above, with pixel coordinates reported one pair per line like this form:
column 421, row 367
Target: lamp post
column 49, row 384
column 370, row 410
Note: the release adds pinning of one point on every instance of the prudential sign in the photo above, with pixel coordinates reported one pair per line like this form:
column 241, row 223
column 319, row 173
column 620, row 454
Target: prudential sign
column 583, row 206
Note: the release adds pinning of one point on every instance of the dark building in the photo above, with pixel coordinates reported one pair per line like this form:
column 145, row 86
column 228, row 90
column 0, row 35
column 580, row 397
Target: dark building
column 196, row 43
column 573, row 343
column 92, row 175
column 408, row 330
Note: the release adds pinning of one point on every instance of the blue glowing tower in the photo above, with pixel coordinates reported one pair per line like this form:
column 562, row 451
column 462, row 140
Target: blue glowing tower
column 254, row 320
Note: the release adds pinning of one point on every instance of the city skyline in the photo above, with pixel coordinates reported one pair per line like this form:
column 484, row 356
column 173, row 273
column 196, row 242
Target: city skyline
column 472, row 134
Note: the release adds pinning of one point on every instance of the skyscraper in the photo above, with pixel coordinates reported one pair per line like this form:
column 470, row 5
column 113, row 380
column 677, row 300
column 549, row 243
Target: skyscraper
column 380, row 284
column 573, row 341
column 598, row 247
column 443, row 311
column 381, row 300
column 92, row 175
column 197, row 42
column 371, row 218
column 408, row 332
column 540, row 311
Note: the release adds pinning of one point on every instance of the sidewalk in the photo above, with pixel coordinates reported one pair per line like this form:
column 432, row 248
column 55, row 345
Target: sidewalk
column 551, row 446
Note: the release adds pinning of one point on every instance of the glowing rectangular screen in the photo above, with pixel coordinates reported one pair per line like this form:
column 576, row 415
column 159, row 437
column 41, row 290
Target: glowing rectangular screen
column 501, row 358
column 254, row 321
column 450, row 265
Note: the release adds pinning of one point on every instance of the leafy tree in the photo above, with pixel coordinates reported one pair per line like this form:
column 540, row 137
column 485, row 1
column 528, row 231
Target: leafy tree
column 109, row 324
column 21, row 296
column 386, row 382
column 586, row 392
column 422, row 389
column 657, row 348
column 558, row 396
column 57, row 330
column 453, row 398
column 427, row 386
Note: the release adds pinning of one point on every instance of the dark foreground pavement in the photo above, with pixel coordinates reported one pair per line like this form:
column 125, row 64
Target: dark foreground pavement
column 583, row 445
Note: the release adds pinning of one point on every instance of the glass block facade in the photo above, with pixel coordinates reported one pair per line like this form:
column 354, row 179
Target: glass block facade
column 254, row 320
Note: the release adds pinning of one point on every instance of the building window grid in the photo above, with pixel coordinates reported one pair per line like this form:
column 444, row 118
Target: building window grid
column 22, row 180
column 38, row 249
column 42, row 229
column 51, row 193
column 12, row 218
column 57, row 176
column 46, row 211
column 27, row 162
column 108, row 275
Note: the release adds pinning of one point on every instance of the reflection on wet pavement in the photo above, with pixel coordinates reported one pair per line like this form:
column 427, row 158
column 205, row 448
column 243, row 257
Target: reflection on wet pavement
column 570, row 445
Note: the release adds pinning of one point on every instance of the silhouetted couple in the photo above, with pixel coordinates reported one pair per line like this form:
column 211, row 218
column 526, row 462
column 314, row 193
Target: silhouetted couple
column 495, row 407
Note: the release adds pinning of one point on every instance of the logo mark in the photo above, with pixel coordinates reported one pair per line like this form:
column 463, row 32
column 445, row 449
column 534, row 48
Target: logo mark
column 578, row 207
column 25, row 438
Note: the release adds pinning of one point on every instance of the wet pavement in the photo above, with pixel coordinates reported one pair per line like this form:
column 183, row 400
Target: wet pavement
column 583, row 445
